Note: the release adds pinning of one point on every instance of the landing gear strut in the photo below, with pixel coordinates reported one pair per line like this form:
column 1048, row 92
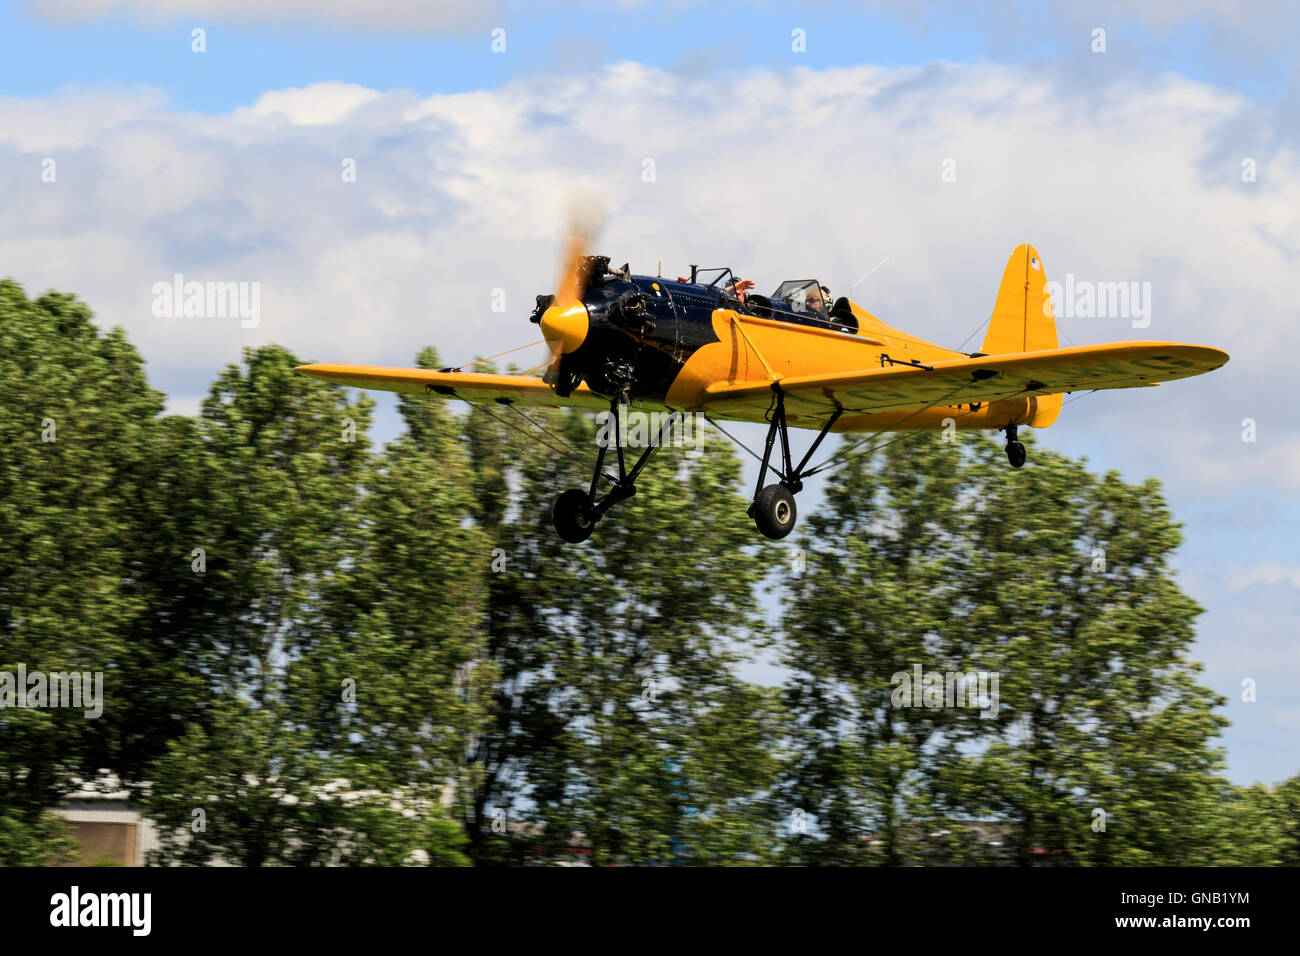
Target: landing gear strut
column 1016, row 453
column 773, row 508
column 577, row 511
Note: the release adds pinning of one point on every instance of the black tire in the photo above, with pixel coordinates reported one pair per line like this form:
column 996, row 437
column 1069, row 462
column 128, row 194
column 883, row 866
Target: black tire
column 572, row 514
column 775, row 512
column 1016, row 454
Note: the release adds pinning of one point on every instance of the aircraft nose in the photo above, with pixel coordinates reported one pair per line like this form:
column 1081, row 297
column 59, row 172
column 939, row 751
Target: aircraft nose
column 565, row 327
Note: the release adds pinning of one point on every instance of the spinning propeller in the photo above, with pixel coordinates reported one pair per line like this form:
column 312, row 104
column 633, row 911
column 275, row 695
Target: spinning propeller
column 564, row 321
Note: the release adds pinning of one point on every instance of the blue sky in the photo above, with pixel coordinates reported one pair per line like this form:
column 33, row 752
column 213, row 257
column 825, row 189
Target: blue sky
column 1121, row 166
column 242, row 61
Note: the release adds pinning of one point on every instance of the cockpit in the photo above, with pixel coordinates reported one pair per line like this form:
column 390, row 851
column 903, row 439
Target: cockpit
column 721, row 280
column 804, row 296
column 803, row 301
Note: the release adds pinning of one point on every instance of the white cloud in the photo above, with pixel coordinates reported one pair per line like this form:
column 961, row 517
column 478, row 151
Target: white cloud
column 316, row 105
column 777, row 172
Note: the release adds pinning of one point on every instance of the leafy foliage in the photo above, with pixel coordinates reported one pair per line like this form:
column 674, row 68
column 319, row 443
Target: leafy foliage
column 317, row 653
column 1053, row 579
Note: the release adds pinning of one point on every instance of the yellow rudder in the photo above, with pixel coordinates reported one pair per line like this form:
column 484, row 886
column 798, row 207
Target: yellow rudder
column 1023, row 321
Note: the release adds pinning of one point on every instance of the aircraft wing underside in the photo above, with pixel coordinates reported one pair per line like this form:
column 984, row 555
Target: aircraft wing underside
column 971, row 380
column 892, row 388
column 468, row 386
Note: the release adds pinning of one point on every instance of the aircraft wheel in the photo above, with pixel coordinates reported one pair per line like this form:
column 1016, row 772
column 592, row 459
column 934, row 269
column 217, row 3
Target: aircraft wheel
column 1016, row 454
column 774, row 512
column 572, row 516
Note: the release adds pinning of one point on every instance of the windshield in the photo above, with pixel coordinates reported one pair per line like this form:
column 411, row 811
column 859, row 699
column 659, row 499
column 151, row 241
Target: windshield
column 714, row 278
column 803, row 296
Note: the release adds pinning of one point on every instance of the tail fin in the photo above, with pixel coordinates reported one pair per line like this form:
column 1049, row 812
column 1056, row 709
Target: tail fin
column 1023, row 321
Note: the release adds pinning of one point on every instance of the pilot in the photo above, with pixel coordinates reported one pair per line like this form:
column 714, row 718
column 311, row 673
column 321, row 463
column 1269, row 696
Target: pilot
column 736, row 288
column 814, row 303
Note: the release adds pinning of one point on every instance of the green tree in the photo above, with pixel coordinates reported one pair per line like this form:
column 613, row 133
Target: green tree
column 639, row 734
column 1254, row 826
column 1288, row 804
column 34, row 838
column 424, row 587
column 77, row 424
column 514, row 465
column 877, row 598
column 1054, row 579
column 327, row 742
column 1073, row 595
column 315, row 654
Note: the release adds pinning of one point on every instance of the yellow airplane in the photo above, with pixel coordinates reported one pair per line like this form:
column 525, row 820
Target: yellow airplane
column 791, row 359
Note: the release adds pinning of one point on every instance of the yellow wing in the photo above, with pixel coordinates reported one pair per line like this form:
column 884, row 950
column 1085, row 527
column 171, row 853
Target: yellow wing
column 964, row 381
column 469, row 386
column 865, row 392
